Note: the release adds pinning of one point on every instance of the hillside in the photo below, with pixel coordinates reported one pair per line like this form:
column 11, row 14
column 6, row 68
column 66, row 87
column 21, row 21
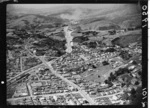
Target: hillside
column 100, row 25
column 102, row 18
column 105, row 23
column 32, row 19
column 125, row 40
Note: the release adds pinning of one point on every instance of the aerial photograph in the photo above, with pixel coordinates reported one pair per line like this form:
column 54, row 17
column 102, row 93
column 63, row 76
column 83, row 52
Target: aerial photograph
column 73, row 54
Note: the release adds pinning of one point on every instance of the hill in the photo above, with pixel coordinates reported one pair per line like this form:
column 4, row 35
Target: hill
column 125, row 40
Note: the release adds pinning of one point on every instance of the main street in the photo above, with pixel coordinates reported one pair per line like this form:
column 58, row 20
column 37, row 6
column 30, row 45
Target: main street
column 48, row 64
column 83, row 93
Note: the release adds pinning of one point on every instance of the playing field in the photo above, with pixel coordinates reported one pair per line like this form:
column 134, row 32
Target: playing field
column 98, row 75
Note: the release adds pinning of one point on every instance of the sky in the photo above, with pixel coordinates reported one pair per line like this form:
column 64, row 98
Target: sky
column 44, row 6
column 77, row 14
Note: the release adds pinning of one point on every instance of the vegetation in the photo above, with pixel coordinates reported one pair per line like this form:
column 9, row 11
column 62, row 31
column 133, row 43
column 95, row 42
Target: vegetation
column 125, row 40
column 30, row 62
column 125, row 55
column 110, row 50
column 105, row 63
column 80, row 39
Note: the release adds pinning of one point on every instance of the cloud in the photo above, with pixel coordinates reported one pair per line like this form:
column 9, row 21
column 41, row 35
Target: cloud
column 76, row 15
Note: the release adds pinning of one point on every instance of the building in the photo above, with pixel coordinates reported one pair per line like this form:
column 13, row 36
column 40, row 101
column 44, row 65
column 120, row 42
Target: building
column 70, row 102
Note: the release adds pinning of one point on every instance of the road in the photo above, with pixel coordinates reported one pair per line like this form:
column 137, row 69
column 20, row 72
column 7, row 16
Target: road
column 30, row 90
column 48, row 64
column 83, row 93
column 21, row 64
column 108, row 95
column 45, row 95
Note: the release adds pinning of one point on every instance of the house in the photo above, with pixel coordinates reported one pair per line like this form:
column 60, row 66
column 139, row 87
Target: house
column 55, row 97
column 122, row 31
column 36, row 84
column 74, row 73
column 133, row 81
column 92, row 93
column 131, row 67
column 66, row 75
column 70, row 102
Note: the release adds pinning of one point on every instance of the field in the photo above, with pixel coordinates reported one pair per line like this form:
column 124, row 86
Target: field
column 29, row 62
column 99, row 75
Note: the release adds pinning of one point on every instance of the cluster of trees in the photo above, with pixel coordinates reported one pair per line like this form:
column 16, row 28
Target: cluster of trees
column 110, row 50
column 112, row 32
column 105, row 63
column 125, row 55
column 121, row 71
column 108, row 82
column 50, row 43
column 109, row 27
column 94, row 33
column 135, row 97
column 113, row 76
column 80, row 39
column 92, row 44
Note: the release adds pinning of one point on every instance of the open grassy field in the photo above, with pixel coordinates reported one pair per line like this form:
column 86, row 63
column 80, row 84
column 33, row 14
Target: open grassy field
column 99, row 75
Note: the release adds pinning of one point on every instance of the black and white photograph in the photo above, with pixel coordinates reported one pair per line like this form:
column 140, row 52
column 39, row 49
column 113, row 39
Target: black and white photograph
column 74, row 54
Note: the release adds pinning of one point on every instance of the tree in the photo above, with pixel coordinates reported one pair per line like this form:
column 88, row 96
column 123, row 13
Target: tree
column 125, row 96
column 125, row 55
column 106, row 81
column 110, row 50
column 92, row 44
column 123, row 84
column 112, row 76
column 94, row 66
column 133, row 92
column 105, row 63
column 137, row 83
column 134, row 62
column 125, row 70
column 118, row 72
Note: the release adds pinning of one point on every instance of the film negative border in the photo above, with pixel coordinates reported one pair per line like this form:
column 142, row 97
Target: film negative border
column 144, row 8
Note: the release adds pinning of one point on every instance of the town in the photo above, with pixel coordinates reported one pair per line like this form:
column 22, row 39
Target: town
column 101, row 74
column 60, row 61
